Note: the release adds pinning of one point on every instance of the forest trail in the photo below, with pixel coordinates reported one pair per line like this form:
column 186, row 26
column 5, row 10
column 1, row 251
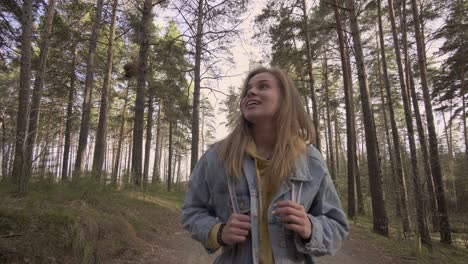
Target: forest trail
column 179, row 248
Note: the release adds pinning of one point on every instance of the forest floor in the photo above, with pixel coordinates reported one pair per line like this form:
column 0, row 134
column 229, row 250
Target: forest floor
column 85, row 223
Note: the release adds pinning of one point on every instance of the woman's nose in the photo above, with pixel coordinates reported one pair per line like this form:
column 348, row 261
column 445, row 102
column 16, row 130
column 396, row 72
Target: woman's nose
column 251, row 91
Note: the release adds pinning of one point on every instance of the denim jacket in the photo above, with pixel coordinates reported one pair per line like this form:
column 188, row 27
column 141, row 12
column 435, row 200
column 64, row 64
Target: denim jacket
column 213, row 196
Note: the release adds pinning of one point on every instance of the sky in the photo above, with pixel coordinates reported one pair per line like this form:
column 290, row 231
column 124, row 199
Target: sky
column 243, row 50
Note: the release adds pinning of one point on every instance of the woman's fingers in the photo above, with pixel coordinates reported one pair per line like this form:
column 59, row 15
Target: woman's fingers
column 292, row 219
column 295, row 217
column 239, row 232
column 237, row 229
column 289, row 203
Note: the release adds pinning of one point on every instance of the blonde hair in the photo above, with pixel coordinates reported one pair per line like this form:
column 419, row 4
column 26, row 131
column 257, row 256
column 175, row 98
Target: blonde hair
column 294, row 129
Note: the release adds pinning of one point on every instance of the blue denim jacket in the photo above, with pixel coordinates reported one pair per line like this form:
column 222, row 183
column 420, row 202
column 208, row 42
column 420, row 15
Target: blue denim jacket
column 208, row 202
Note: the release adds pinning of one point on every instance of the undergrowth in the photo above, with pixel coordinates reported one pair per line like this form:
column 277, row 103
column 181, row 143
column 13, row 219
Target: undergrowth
column 80, row 222
column 409, row 249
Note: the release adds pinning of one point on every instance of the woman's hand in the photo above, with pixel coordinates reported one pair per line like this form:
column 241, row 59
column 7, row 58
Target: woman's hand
column 295, row 218
column 237, row 229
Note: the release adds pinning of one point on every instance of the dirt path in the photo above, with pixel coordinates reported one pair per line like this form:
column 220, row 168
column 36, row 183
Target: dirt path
column 181, row 249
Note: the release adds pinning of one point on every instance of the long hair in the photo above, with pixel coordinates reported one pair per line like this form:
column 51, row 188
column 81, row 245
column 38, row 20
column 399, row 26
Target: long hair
column 294, row 129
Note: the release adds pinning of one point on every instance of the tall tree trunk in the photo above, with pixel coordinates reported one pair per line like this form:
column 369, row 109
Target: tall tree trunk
column 419, row 123
column 380, row 220
column 203, row 129
column 101, row 135
column 157, row 156
column 38, row 87
column 179, row 161
column 313, row 96
column 462, row 93
column 89, row 153
column 420, row 212
column 337, row 140
column 169, row 165
column 138, row 127
column 110, row 164
column 129, row 159
column 445, row 235
column 350, row 129
column 19, row 175
column 327, row 94
column 401, row 192
column 397, row 192
column 88, row 90
column 121, row 137
column 161, row 145
column 68, row 119
column 196, row 89
column 11, row 158
column 45, row 152
column 465, row 134
column 59, row 153
column 149, row 132
column 450, row 161
column 357, row 172
column 5, row 148
column 448, row 133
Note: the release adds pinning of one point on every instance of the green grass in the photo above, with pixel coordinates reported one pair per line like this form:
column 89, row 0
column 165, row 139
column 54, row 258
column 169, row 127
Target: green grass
column 85, row 222
column 408, row 248
column 81, row 222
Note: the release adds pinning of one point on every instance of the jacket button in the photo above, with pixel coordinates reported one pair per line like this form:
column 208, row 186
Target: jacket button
column 282, row 244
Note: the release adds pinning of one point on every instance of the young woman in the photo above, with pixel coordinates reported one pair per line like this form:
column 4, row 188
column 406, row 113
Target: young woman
column 263, row 193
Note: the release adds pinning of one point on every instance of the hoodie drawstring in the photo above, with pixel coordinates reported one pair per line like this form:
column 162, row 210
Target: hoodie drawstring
column 296, row 197
column 232, row 195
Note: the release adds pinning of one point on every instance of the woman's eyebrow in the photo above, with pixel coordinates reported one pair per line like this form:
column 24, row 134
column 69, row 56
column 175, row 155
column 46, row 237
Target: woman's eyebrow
column 259, row 81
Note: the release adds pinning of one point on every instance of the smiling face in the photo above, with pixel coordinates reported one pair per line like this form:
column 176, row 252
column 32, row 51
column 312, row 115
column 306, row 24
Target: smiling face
column 261, row 100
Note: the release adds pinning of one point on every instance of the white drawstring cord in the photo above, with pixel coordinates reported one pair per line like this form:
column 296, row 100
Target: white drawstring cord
column 299, row 194
column 296, row 196
column 293, row 195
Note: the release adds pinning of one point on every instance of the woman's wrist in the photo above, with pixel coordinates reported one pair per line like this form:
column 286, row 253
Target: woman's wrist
column 219, row 238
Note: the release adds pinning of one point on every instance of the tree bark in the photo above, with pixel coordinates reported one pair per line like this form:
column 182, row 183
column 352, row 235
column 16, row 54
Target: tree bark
column 157, row 153
column 380, row 221
column 20, row 178
column 69, row 117
column 419, row 123
column 121, row 138
column 357, row 172
column 450, row 161
column 397, row 192
column 101, row 135
column 137, row 151
column 45, row 152
column 5, row 148
column 129, row 159
column 313, row 96
column 149, row 129
column 169, row 165
column 420, row 210
column 445, row 235
column 401, row 191
column 327, row 99
column 465, row 134
column 38, row 88
column 196, row 90
column 337, row 141
column 88, row 90
column 350, row 129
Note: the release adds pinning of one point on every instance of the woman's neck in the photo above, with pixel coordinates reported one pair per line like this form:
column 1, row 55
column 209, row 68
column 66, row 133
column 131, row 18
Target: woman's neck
column 265, row 139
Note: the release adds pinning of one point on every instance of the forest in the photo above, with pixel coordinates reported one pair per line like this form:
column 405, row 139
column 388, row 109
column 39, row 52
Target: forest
column 127, row 93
